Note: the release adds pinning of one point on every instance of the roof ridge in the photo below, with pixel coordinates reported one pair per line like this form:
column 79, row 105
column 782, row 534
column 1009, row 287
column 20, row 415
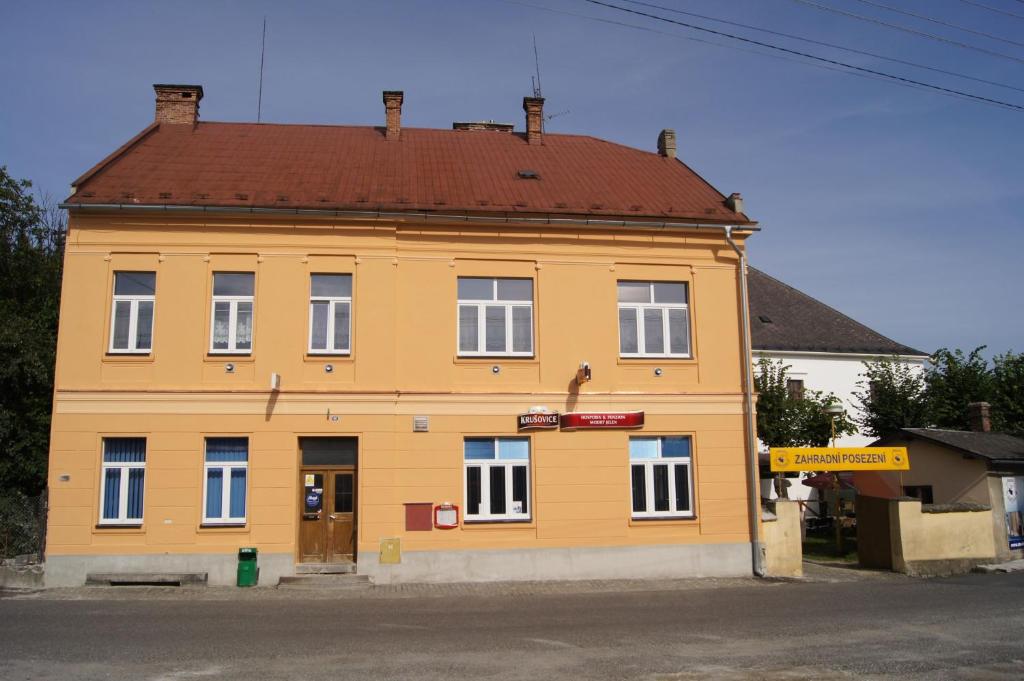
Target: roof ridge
column 841, row 314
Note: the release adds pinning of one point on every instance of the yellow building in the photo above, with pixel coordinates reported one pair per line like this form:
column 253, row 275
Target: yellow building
column 321, row 341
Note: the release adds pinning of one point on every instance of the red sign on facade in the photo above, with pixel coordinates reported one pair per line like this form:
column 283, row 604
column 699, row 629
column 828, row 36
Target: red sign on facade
column 580, row 420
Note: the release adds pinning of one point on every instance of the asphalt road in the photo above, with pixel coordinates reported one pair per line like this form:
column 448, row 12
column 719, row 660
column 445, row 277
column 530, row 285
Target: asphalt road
column 970, row 627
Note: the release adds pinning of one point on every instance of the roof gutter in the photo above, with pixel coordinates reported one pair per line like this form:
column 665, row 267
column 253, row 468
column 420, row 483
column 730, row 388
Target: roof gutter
column 753, row 481
column 504, row 218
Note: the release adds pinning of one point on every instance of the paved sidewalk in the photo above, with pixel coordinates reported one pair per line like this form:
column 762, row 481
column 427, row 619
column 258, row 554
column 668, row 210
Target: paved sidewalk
column 388, row 591
column 814, row 572
column 1008, row 566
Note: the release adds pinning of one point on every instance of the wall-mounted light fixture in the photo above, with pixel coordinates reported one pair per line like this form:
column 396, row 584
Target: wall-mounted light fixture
column 657, row 371
column 583, row 374
column 495, row 369
column 229, row 368
column 328, row 368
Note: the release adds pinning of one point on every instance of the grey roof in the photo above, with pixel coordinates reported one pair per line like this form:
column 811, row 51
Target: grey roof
column 996, row 447
column 783, row 318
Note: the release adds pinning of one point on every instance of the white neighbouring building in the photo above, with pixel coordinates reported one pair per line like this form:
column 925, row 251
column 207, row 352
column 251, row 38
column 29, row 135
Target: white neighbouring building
column 824, row 349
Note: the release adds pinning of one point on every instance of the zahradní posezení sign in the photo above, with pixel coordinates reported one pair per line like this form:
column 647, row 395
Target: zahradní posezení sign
column 795, row 459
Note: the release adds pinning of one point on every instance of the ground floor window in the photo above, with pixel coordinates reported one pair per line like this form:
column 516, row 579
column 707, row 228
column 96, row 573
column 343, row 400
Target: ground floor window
column 661, row 476
column 225, row 480
column 497, row 478
column 123, row 480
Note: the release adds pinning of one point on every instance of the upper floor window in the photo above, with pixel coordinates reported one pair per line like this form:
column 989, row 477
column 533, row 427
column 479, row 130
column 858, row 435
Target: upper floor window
column 231, row 326
column 795, row 388
column 123, row 480
column 131, row 318
column 497, row 478
column 330, row 313
column 654, row 319
column 224, row 489
column 495, row 317
column 661, row 477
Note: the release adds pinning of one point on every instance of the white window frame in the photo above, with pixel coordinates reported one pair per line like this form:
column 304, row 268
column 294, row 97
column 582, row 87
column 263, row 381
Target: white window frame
column 225, row 498
column 232, row 348
column 133, row 319
column 640, row 327
column 481, row 326
column 671, row 462
column 485, row 466
column 122, row 499
column 332, row 303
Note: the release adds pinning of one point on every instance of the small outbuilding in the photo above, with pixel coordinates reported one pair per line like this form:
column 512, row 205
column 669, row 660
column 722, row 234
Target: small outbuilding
column 960, row 467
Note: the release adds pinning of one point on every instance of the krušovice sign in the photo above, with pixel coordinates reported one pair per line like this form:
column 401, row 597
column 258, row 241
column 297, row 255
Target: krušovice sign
column 795, row 459
column 581, row 420
column 538, row 420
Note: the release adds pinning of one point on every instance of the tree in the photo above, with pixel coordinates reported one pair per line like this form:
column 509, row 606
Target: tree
column 892, row 396
column 1007, row 395
column 787, row 421
column 953, row 381
column 31, row 254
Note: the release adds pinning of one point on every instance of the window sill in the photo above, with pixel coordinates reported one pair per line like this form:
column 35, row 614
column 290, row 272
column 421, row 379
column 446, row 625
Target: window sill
column 327, row 356
column 645, row 361
column 490, row 359
column 237, row 357
column 677, row 519
column 222, row 526
column 483, row 524
column 128, row 357
column 133, row 528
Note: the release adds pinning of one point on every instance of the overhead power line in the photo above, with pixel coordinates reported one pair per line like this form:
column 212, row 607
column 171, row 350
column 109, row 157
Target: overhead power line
column 906, row 29
column 993, row 9
column 827, row 44
column 834, row 62
column 940, row 22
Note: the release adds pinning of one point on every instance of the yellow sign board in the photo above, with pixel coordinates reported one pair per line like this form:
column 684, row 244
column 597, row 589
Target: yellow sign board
column 795, row 459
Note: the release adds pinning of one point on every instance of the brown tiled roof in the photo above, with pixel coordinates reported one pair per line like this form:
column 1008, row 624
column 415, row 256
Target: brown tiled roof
column 996, row 447
column 783, row 318
column 355, row 168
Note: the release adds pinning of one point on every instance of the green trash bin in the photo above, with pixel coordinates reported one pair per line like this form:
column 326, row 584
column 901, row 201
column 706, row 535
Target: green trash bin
column 248, row 571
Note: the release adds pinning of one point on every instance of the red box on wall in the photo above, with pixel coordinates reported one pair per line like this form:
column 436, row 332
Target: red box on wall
column 419, row 516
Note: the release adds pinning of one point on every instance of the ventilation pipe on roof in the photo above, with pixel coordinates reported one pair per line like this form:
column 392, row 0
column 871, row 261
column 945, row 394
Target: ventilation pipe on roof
column 667, row 143
column 753, row 477
column 393, row 113
column 178, row 103
column 534, row 108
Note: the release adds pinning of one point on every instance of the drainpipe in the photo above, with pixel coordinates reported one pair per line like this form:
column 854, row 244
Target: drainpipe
column 753, row 481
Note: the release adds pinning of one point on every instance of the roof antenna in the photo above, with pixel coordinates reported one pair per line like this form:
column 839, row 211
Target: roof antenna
column 263, row 51
column 536, row 63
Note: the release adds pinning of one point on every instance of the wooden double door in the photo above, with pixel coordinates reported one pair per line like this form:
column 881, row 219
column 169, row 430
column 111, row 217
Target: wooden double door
column 327, row 518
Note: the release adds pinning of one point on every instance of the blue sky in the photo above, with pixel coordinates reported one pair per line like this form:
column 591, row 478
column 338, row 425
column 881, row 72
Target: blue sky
column 899, row 207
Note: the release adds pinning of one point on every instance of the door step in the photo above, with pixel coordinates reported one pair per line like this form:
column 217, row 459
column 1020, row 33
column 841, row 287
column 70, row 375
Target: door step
column 325, row 568
column 325, row 581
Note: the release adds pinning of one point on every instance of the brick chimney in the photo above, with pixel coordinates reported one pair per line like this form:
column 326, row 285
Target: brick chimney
column 734, row 202
column 667, row 143
column 393, row 113
column 178, row 103
column 534, row 108
column 977, row 414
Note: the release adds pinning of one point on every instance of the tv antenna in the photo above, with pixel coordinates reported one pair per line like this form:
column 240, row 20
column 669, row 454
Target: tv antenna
column 263, row 51
column 536, row 62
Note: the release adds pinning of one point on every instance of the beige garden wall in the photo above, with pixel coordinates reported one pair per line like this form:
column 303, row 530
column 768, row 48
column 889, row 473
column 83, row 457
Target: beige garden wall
column 939, row 543
column 782, row 541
